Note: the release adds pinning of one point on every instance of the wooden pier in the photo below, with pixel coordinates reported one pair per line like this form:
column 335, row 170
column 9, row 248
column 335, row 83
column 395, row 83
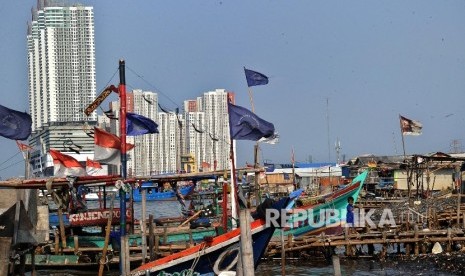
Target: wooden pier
column 411, row 236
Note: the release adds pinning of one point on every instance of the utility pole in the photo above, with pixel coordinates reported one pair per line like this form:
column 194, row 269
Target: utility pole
column 338, row 148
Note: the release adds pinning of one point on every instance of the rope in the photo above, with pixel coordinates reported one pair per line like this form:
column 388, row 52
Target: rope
column 196, row 260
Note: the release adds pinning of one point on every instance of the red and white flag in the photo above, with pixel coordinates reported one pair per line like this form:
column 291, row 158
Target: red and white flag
column 93, row 167
column 107, row 147
column 23, row 147
column 65, row 165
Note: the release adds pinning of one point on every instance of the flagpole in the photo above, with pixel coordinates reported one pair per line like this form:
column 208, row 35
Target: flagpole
column 245, row 263
column 255, row 163
column 234, row 189
column 402, row 134
column 405, row 157
column 251, row 98
column 122, row 127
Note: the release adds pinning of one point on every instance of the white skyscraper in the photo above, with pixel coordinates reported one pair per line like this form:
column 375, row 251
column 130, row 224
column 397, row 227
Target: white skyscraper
column 61, row 70
column 61, row 61
column 207, row 129
column 144, row 157
column 196, row 136
column 169, row 141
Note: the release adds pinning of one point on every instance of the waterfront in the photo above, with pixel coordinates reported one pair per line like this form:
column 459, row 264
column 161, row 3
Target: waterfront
column 361, row 266
column 317, row 267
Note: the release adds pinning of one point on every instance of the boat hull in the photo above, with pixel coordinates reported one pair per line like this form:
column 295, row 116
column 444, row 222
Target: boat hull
column 151, row 196
column 313, row 219
column 219, row 254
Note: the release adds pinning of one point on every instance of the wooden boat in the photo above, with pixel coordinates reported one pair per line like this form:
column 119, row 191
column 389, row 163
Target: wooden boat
column 309, row 218
column 213, row 255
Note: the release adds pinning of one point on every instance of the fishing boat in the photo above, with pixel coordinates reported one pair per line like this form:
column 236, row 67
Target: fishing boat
column 312, row 216
column 214, row 255
column 154, row 192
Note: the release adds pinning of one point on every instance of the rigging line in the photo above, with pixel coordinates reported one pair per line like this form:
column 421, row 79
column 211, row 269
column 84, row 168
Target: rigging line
column 11, row 165
column 112, row 77
column 78, row 110
column 13, row 156
column 153, row 86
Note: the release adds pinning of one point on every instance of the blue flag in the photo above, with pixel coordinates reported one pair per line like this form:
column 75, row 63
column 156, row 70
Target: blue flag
column 255, row 78
column 14, row 125
column 138, row 125
column 245, row 125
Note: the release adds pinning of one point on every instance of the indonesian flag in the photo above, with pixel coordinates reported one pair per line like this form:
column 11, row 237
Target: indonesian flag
column 65, row 165
column 107, row 147
column 92, row 167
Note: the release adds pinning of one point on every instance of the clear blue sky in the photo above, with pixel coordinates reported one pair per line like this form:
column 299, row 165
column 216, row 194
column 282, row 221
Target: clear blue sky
column 372, row 60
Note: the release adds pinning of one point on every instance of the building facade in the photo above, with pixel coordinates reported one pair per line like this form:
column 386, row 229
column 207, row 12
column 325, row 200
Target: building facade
column 62, row 80
column 207, row 129
column 61, row 62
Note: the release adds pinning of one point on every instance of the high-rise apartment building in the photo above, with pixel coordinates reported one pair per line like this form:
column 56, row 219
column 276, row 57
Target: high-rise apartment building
column 61, row 61
column 207, row 129
column 61, row 70
column 144, row 156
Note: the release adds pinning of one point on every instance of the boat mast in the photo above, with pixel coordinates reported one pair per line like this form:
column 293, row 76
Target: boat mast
column 122, row 128
column 122, row 202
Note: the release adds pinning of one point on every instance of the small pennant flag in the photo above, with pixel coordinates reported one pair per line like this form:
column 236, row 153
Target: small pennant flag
column 23, row 147
column 255, row 78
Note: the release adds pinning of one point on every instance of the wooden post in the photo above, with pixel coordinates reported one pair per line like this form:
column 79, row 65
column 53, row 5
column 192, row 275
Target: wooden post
column 143, row 225
column 423, row 247
column 22, row 264
column 348, row 246
column 191, row 238
column 57, row 241
column 151, row 241
column 5, row 245
column 157, row 243
column 283, row 254
column 76, row 244
column 107, row 237
column 33, row 262
column 336, row 266
column 417, row 246
column 435, row 219
column 463, row 220
column 384, row 247
column 246, row 243
column 165, row 234
column 127, row 259
column 449, row 241
column 62, row 228
column 225, row 207
column 429, row 218
column 290, row 244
